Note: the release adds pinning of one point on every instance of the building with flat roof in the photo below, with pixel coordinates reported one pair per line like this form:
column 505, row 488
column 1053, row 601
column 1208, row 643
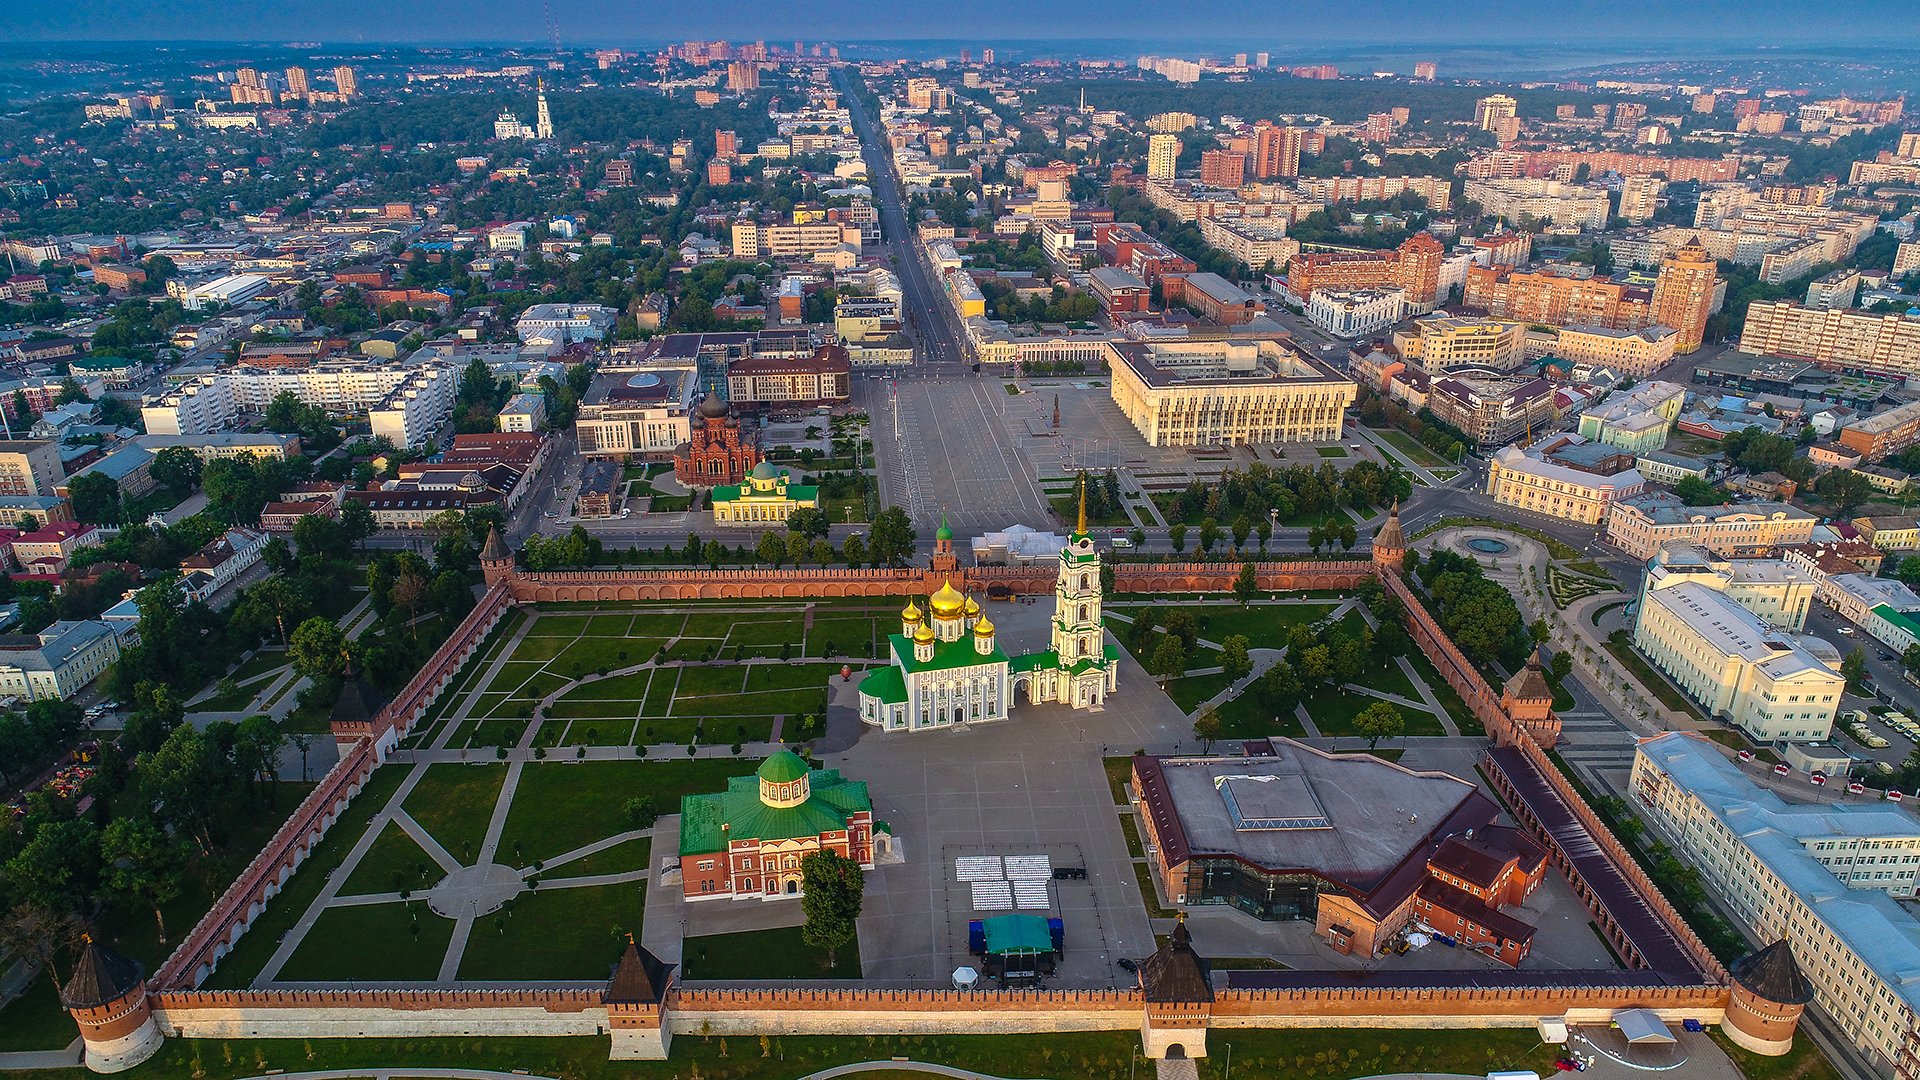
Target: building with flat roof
column 1777, row 592
column 1884, row 433
column 1637, row 352
column 1213, row 297
column 1821, row 877
column 1885, row 342
column 1227, row 393
column 1438, row 342
column 1639, row 525
column 1637, row 420
column 1296, row 834
column 563, row 323
column 1352, row 313
column 1493, row 408
column 823, row 376
column 1564, row 477
column 29, row 466
column 403, row 402
column 1769, row 683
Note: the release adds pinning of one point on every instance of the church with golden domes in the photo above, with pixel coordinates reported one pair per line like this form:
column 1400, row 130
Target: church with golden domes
column 948, row 668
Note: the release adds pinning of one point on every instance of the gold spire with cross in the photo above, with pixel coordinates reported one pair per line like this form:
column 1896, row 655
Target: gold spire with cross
column 1081, row 528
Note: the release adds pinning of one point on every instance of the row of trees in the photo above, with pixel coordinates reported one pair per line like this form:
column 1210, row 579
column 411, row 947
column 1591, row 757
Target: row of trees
column 1290, row 491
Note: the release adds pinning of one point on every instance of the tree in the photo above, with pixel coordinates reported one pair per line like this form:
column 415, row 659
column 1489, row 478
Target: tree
column 177, row 469
column 1242, row 528
column 1696, row 491
column 1844, row 490
column 854, row 551
column 96, row 498
column 1279, row 687
column 1910, row 659
column 357, row 522
column 58, row 868
column 808, row 521
column 144, row 866
column 1234, row 660
column 640, row 812
column 1207, row 727
column 832, row 892
column 1177, row 536
column 1246, row 585
column 1854, row 668
column 772, row 549
column 1209, row 534
column 891, row 540
column 1380, row 720
column 1169, row 658
column 318, row 649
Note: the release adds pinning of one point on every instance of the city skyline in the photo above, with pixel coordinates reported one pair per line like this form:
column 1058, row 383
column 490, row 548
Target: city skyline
column 585, row 22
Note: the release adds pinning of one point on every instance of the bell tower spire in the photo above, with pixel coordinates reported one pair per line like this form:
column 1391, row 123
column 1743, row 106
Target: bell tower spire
column 1080, row 529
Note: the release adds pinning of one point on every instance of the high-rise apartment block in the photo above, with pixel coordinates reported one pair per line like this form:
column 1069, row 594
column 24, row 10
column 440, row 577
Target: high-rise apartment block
column 1223, row 168
column 297, row 83
column 1276, row 151
column 1683, row 294
column 1489, row 111
column 742, row 75
column 1628, row 116
column 726, row 146
column 1639, row 197
column 347, row 82
column 1163, row 153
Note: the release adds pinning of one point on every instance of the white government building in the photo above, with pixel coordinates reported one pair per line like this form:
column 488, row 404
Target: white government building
column 1727, row 631
column 1826, row 878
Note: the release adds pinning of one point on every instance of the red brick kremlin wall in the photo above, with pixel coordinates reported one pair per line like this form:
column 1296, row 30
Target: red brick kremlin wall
column 244, row 901
column 690, row 584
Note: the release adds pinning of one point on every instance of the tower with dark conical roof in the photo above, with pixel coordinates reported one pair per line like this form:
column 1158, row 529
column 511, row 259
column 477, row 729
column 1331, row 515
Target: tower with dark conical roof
column 107, row 996
column 1769, row 995
column 496, row 561
column 1390, row 544
column 636, row 1000
column 1178, row 988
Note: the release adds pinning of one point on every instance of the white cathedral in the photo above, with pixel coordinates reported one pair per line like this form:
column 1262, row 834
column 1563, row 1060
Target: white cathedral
column 948, row 669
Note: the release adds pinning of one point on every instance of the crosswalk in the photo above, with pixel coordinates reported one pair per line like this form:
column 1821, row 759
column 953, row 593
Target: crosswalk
column 1592, row 741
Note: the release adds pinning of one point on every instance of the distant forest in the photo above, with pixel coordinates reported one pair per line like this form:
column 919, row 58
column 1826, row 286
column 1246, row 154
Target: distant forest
column 609, row 114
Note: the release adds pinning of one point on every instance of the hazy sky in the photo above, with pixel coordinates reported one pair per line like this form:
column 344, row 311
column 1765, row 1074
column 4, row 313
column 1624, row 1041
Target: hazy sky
column 1276, row 23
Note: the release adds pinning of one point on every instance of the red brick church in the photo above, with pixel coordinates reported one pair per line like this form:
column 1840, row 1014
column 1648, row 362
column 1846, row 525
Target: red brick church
column 714, row 455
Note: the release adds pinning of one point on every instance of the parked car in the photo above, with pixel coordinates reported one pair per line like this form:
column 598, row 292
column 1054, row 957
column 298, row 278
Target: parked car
column 1127, row 965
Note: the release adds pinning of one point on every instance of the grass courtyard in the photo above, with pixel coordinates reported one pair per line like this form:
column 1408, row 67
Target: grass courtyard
column 680, row 674
column 567, row 924
column 765, row 954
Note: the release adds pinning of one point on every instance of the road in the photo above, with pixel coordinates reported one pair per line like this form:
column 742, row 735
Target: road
column 931, row 317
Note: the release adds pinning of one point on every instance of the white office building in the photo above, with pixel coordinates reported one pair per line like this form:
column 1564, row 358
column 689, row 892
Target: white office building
column 1352, row 313
column 1822, row 877
column 1772, row 684
column 563, row 323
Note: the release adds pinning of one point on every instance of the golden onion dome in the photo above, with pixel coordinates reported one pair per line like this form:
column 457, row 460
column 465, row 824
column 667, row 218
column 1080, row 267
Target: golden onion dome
column 911, row 612
column 983, row 628
column 973, row 607
column 924, row 635
column 947, row 603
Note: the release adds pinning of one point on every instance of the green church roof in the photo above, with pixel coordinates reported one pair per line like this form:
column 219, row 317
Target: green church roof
column 946, row 655
column 709, row 822
column 783, row 767
column 886, row 684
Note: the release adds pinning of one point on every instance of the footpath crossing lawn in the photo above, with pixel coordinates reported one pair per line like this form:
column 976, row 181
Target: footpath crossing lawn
column 453, row 802
column 564, row 805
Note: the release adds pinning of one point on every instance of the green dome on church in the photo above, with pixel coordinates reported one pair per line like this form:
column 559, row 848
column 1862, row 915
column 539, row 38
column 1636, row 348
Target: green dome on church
column 783, row 768
column 945, row 531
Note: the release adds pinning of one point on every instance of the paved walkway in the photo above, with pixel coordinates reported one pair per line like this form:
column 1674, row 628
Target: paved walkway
column 898, row 1065
column 24, row 1060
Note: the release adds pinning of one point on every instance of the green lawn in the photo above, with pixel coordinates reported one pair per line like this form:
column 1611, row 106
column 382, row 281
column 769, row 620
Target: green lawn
column 1409, row 446
column 555, row 934
column 453, row 802
column 253, row 950
column 1621, row 648
column 393, row 852
column 1106, row 1055
column 385, row 947
column 1331, row 451
column 1333, row 712
column 1190, row 690
column 564, row 805
column 35, row 1020
column 764, row 954
column 625, row 856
